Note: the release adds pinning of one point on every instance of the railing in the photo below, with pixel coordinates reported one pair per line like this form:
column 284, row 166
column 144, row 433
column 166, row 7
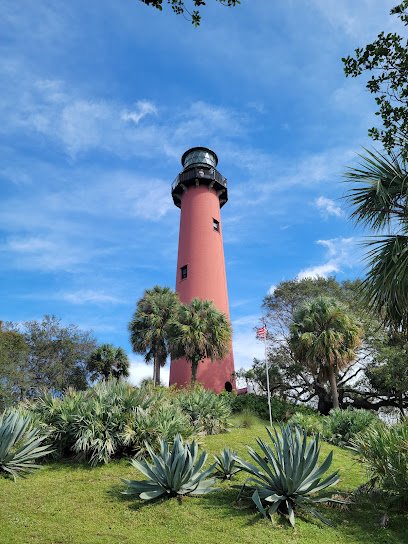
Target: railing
column 199, row 172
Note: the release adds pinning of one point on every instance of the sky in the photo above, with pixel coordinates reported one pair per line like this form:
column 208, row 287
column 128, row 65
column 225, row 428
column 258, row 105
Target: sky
column 99, row 100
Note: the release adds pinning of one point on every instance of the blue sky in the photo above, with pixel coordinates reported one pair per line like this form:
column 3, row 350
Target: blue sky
column 98, row 101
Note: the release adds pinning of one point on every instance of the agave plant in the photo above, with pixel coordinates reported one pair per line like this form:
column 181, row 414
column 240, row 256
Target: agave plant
column 285, row 476
column 20, row 444
column 226, row 464
column 171, row 473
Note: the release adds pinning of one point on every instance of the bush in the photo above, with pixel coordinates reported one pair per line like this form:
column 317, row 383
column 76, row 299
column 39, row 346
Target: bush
column 245, row 419
column 114, row 419
column 209, row 413
column 343, row 425
column 110, row 420
column 21, row 444
column 311, row 423
column 258, row 405
column 384, row 450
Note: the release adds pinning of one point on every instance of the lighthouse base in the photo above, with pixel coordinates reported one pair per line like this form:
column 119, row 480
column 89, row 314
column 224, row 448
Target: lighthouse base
column 217, row 376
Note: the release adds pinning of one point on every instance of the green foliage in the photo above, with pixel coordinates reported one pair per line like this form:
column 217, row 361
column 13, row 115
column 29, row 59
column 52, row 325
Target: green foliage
column 379, row 200
column 172, row 473
column 15, row 380
column 114, row 419
column 285, row 475
column 384, row 451
column 21, row 444
column 149, row 326
column 209, row 413
column 342, row 426
column 311, row 423
column 110, row 420
column 324, row 337
column 180, row 7
column 245, row 419
column 226, row 465
column 258, row 405
column 57, row 354
column 199, row 331
column 108, row 362
column 387, row 60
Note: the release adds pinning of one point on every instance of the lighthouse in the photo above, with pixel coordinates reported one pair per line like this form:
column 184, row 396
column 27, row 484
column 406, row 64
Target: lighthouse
column 200, row 191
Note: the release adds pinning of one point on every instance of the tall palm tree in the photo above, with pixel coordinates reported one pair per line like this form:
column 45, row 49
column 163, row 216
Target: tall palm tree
column 148, row 327
column 200, row 331
column 108, row 362
column 324, row 337
column 379, row 197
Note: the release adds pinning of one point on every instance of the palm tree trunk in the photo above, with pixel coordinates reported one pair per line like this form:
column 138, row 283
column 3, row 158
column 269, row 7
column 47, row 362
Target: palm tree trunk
column 157, row 379
column 333, row 387
column 194, row 366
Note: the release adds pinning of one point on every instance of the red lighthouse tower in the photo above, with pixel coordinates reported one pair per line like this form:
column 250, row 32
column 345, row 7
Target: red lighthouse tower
column 200, row 191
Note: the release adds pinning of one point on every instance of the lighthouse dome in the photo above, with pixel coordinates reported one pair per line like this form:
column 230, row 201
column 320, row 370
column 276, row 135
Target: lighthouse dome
column 199, row 155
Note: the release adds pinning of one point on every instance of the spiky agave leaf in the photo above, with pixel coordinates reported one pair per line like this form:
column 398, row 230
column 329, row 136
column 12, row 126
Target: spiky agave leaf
column 20, row 444
column 286, row 474
column 171, row 472
column 226, row 464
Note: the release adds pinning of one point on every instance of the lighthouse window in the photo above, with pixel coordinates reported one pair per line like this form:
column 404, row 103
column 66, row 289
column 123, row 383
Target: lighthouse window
column 183, row 272
column 216, row 225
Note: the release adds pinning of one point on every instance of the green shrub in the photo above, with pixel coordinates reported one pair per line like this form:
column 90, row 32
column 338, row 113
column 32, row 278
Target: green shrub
column 21, row 444
column 113, row 419
column 258, row 405
column 209, row 413
column 285, row 475
column 245, row 419
column 384, row 450
column 311, row 423
column 343, row 425
column 110, row 420
column 171, row 473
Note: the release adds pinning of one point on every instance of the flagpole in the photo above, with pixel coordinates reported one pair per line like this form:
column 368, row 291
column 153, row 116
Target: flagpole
column 267, row 378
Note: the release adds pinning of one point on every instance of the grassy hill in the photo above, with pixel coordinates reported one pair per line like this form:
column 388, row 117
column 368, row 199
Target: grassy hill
column 66, row 503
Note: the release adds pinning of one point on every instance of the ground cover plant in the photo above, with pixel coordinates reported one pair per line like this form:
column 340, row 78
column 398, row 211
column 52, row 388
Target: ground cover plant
column 384, row 452
column 339, row 427
column 114, row 419
column 67, row 502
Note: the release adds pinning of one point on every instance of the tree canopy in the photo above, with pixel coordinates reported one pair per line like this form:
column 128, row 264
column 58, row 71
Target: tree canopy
column 149, row 326
column 199, row 331
column 188, row 8
column 386, row 59
column 324, row 337
column 107, row 361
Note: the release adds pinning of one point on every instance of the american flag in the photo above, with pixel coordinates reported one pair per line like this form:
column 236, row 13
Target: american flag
column 261, row 333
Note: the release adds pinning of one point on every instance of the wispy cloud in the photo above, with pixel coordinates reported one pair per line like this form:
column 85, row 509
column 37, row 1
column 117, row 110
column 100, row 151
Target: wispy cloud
column 327, row 207
column 341, row 253
column 143, row 108
column 88, row 296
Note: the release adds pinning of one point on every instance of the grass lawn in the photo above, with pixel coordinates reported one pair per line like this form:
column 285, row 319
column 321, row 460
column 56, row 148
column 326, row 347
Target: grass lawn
column 69, row 504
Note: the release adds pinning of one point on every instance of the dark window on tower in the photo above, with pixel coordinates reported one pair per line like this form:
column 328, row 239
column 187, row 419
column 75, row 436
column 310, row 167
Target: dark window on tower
column 183, row 272
column 216, row 225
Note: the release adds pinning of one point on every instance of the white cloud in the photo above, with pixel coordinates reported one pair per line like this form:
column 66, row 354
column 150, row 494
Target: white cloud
column 341, row 253
column 144, row 107
column 246, row 347
column 328, row 207
column 88, row 296
column 271, row 289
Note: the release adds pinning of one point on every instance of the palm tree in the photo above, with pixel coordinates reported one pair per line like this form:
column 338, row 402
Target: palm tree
column 108, row 362
column 325, row 338
column 380, row 201
column 200, row 331
column 148, row 327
